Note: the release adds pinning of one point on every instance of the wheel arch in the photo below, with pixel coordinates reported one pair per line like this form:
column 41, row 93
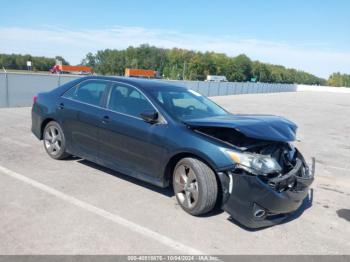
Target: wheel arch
column 177, row 157
column 43, row 125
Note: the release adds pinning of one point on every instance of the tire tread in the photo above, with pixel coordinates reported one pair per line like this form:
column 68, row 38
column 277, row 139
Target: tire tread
column 209, row 186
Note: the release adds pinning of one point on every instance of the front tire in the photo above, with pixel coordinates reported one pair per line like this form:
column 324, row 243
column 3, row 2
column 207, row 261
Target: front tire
column 54, row 141
column 195, row 186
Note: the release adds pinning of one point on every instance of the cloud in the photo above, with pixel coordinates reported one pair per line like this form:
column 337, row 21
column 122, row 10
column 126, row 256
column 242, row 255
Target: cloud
column 75, row 44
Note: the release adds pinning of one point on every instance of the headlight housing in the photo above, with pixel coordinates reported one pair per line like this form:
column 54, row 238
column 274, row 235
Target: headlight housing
column 255, row 163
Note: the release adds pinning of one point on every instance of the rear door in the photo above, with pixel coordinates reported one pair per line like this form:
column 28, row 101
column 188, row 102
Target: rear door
column 128, row 143
column 82, row 114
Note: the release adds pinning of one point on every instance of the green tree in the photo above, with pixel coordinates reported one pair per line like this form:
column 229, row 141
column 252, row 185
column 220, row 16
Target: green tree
column 19, row 62
column 338, row 79
column 240, row 69
column 177, row 63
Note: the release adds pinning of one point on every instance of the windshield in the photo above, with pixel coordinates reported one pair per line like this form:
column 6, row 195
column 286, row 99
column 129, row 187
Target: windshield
column 187, row 104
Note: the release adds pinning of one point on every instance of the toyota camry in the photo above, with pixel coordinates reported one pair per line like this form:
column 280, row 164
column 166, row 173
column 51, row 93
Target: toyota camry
column 169, row 135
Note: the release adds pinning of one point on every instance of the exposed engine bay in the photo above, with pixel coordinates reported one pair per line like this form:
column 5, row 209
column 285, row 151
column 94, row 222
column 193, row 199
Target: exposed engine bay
column 286, row 155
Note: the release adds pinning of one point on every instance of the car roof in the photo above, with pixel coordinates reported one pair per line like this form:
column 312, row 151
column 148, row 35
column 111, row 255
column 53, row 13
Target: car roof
column 144, row 84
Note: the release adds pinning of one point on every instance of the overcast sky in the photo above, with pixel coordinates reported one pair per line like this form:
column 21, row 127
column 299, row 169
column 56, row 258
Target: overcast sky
column 309, row 35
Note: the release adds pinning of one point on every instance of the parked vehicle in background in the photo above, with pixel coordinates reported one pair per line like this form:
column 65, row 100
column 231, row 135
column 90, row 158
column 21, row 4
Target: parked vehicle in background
column 142, row 73
column 66, row 69
column 214, row 78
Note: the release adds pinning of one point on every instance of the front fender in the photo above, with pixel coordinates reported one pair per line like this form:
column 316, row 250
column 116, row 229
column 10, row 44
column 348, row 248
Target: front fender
column 190, row 143
column 214, row 157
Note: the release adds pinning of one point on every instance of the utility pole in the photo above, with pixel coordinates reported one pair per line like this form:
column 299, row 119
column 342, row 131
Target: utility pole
column 184, row 70
column 7, row 88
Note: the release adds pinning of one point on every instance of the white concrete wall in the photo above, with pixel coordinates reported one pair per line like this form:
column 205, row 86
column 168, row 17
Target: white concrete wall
column 332, row 89
column 17, row 89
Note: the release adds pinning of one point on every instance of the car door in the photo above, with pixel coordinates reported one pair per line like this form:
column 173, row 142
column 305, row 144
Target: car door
column 128, row 143
column 81, row 116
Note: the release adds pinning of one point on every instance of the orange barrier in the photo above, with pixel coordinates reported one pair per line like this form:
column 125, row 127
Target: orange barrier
column 67, row 68
column 140, row 72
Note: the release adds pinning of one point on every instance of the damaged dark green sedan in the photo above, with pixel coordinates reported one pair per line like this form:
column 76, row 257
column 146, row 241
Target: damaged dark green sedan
column 172, row 136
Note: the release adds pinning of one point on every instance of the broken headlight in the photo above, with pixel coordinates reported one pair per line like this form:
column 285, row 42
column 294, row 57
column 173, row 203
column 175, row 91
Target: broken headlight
column 255, row 163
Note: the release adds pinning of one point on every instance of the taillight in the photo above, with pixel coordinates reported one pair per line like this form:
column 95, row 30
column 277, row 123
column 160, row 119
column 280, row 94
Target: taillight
column 35, row 98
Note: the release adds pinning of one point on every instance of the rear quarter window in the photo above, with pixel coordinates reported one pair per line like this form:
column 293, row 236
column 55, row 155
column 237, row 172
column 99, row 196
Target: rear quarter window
column 90, row 92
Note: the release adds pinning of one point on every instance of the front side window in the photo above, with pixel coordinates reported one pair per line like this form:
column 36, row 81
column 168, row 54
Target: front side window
column 128, row 100
column 90, row 92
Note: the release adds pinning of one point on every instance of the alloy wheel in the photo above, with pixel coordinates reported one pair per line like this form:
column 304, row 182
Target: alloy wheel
column 186, row 186
column 53, row 140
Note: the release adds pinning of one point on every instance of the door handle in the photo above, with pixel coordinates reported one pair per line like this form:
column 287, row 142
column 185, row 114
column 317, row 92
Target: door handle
column 61, row 106
column 105, row 119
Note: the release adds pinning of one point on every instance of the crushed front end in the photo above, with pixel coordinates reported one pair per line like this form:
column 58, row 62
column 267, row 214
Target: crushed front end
column 269, row 178
column 258, row 199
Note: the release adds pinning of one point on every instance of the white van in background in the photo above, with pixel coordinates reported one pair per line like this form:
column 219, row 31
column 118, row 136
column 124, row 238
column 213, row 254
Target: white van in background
column 214, row 78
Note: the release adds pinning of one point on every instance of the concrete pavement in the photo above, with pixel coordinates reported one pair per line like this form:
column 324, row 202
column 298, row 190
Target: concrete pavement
column 33, row 220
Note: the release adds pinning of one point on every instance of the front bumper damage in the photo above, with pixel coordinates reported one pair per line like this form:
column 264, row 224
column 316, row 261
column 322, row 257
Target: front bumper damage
column 255, row 201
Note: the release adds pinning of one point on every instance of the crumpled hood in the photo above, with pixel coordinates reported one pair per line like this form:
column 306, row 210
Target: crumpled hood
column 264, row 127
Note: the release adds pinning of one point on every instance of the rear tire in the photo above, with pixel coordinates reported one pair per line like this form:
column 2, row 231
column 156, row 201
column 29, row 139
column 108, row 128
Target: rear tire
column 195, row 186
column 54, row 141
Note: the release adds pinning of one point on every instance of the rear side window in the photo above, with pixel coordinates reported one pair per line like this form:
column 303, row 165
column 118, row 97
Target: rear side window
column 128, row 100
column 90, row 92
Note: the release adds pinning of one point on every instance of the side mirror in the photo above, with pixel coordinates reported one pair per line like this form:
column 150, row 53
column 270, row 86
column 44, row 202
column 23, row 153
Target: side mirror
column 150, row 116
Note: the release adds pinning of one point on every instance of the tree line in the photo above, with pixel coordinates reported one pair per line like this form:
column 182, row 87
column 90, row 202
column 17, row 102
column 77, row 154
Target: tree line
column 19, row 62
column 338, row 79
column 179, row 64
column 185, row 64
